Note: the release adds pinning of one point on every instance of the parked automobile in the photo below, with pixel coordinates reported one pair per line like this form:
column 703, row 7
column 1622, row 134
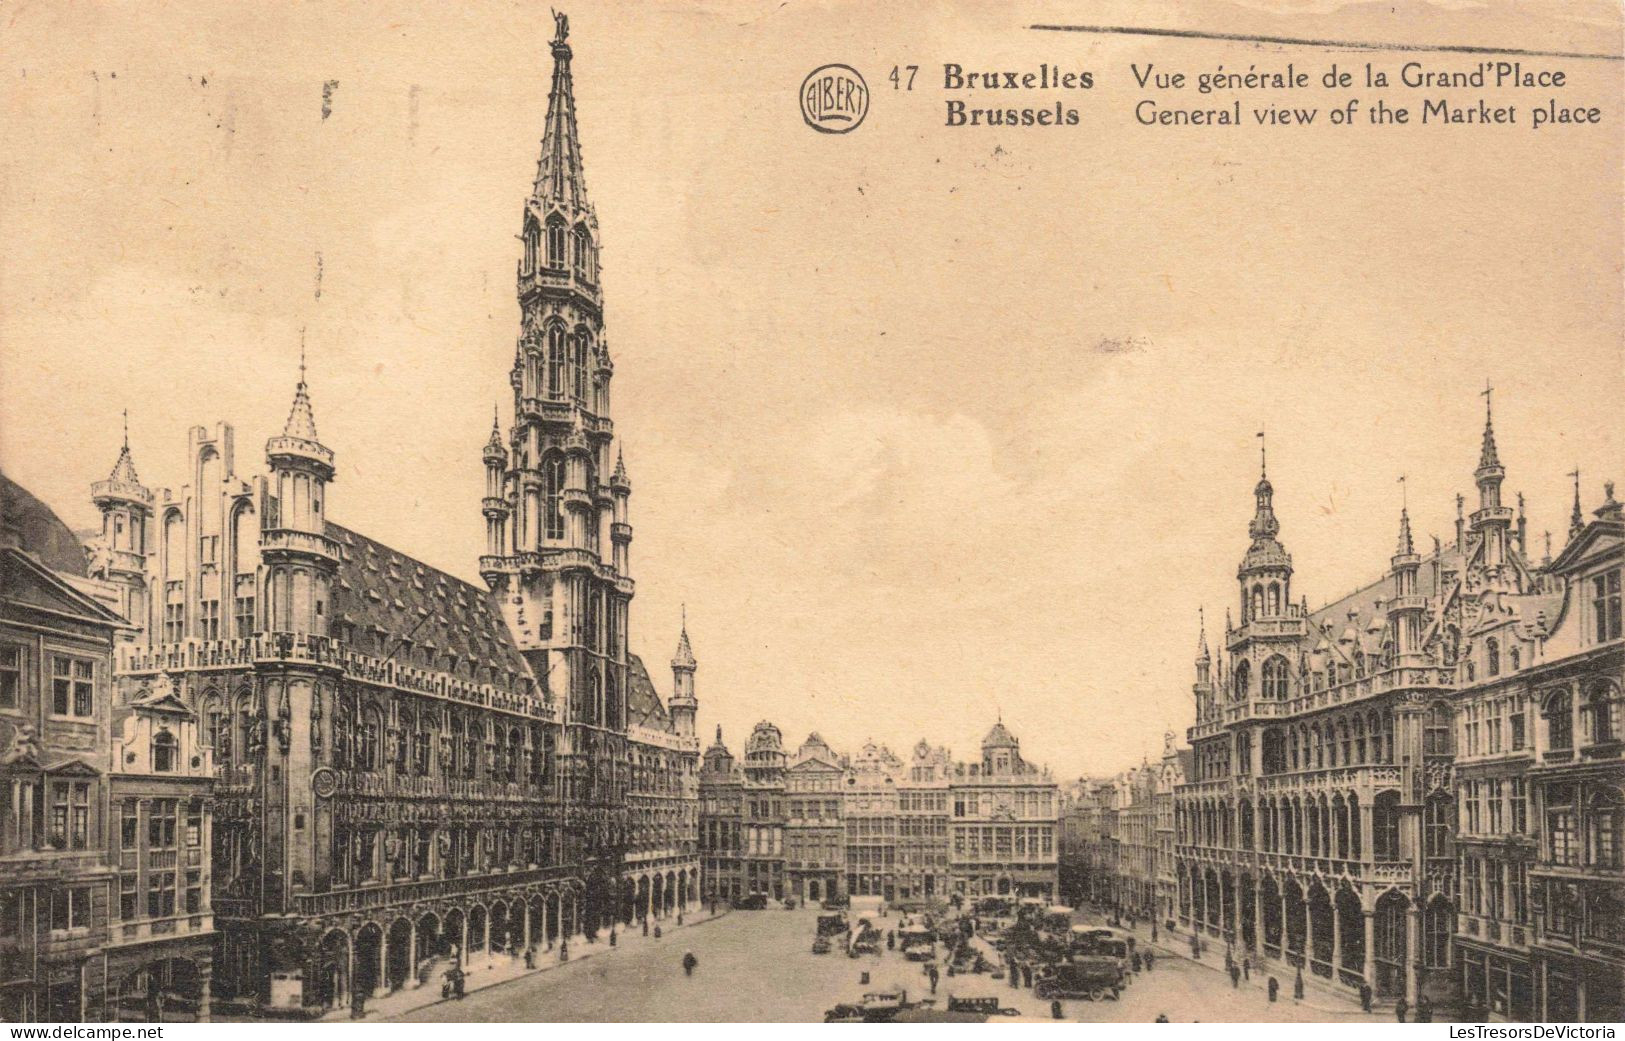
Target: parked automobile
column 1095, row 977
column 753, row 902
column 821, row 944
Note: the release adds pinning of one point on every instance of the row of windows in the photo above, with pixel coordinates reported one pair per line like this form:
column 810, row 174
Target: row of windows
column 73, row 683
column 1002, row 843
column 48, row 815
column 580, row 253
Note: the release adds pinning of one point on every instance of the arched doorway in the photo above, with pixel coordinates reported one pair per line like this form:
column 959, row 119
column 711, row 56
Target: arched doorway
column 452, row 933
column 369, row 941
column 1320, row 916
column 431, row 941
column 332, row 982
column 1296, row 923
column 1388, row 926
column 398, row 960
column 1351, row 928
column 501, row 928
column 476, row 930
column 1249, row 913
column 1271, row 915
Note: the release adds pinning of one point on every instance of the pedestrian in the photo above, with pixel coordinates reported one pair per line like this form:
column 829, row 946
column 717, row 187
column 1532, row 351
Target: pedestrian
column 1027, row 975
column 1136, row 961
column 1235, row 977
column 1196, row 947
column 679, row 918
column 1246, row 968
column 689, row 962
column 1274, row 988
column 657, row 932
column 612, row 936
column 1015, row 976
column 891, row 941
column 1424, row 1010
column 358, row 1003
column 1365, row 997
column 1162, row 1017
column 1153, row 932
column 1297, row 984
column 530, row 957
column 564, row 950
column 933, row 974
column 1400, row 1008
column 1148, row 960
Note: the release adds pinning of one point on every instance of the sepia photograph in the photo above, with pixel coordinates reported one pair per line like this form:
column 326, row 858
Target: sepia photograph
column 1125, row 526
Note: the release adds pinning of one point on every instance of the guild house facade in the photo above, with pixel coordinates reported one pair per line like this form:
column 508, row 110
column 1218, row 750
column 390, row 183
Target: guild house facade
column 404, row 768
column 1418, row 787
column 829, row 826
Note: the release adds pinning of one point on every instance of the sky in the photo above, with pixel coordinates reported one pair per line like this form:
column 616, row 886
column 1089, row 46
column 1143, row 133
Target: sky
column 926, row 426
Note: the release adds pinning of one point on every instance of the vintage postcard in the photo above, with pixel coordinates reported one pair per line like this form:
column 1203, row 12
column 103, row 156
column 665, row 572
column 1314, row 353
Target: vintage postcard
column 736, row 511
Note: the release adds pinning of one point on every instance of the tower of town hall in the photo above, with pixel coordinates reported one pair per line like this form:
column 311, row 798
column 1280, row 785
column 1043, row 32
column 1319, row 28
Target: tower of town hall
column 555, row 507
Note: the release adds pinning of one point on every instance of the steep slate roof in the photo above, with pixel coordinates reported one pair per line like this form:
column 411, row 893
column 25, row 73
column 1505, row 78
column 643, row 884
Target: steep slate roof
column 643, row 707
column 31, row 525
column 385, row 595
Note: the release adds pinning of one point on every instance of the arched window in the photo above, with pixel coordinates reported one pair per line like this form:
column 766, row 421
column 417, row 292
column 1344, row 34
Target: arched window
column 583, row 363
column 555, row 242
column 1275, row 598
column 1437, row 731
column 583, row 254
column 1559, row 714
column 1258, row 601
column 1359, row 739
column 555, row 361
column 533, row 244
column 553, row 509
column 165, row 752
column 1385, row 815
column 1602, row 712
column 1243, row 680
column 1492, row 657
column 516, row 753
column 1276, row 672
column 612, row 702
column 1439, row 822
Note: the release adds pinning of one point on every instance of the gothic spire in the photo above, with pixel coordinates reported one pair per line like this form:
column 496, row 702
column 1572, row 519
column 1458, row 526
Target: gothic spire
column 301, row 419
column 684, row 658
column 559, row 179
column 124, row 466
column 1487, row 457
column 1202, row 654
column 1406, row 547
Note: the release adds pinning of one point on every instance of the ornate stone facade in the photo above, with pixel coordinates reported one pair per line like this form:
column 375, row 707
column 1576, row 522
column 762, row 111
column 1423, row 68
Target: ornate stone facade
column 1338, row 809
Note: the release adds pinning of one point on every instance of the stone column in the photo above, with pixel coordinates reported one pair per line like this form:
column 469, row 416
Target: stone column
column 383, row 966
column 462, row 942
column 1258, row 920
column 412, row 980
column 1410, row 954
column 204, row 998
column 1337, row 940
column 527, row 924
column 1220, row 932
column 1370, row 966
column 1286, row 933
column 1308, row 933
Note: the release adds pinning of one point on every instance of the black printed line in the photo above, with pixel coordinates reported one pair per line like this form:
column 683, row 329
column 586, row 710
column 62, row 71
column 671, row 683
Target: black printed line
column 1296, row 41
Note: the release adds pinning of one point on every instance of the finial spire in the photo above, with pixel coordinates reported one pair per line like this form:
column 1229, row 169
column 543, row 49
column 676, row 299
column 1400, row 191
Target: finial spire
column 1576, row 518
column 301, row 417
column 559, row 178
column 1202, row 654
column 1488, row 458
column 1263, row 455
column 124, row 465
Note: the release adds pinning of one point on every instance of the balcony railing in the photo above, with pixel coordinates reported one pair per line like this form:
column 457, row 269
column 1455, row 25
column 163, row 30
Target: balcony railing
column 302, row 648
column 407, row 892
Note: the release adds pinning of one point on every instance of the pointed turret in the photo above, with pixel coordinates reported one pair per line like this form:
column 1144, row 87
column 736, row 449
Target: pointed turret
column 683, row 703
column 1406, row 609
column 1491, row 522
column 126, row 508
column 299, row 447
column 1406, row 546
column 1265, row 573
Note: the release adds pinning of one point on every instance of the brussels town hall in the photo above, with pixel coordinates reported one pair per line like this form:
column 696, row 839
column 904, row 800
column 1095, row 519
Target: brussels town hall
column 411, row 771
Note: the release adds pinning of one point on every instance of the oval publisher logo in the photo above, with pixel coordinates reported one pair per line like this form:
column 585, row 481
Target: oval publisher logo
column 834, row 99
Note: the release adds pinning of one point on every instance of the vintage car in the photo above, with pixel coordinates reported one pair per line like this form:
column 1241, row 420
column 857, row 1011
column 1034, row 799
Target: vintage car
column 1095, row 977
column 832, row 924
column 821, row 944
column 753, row 902
column 985, row 1006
